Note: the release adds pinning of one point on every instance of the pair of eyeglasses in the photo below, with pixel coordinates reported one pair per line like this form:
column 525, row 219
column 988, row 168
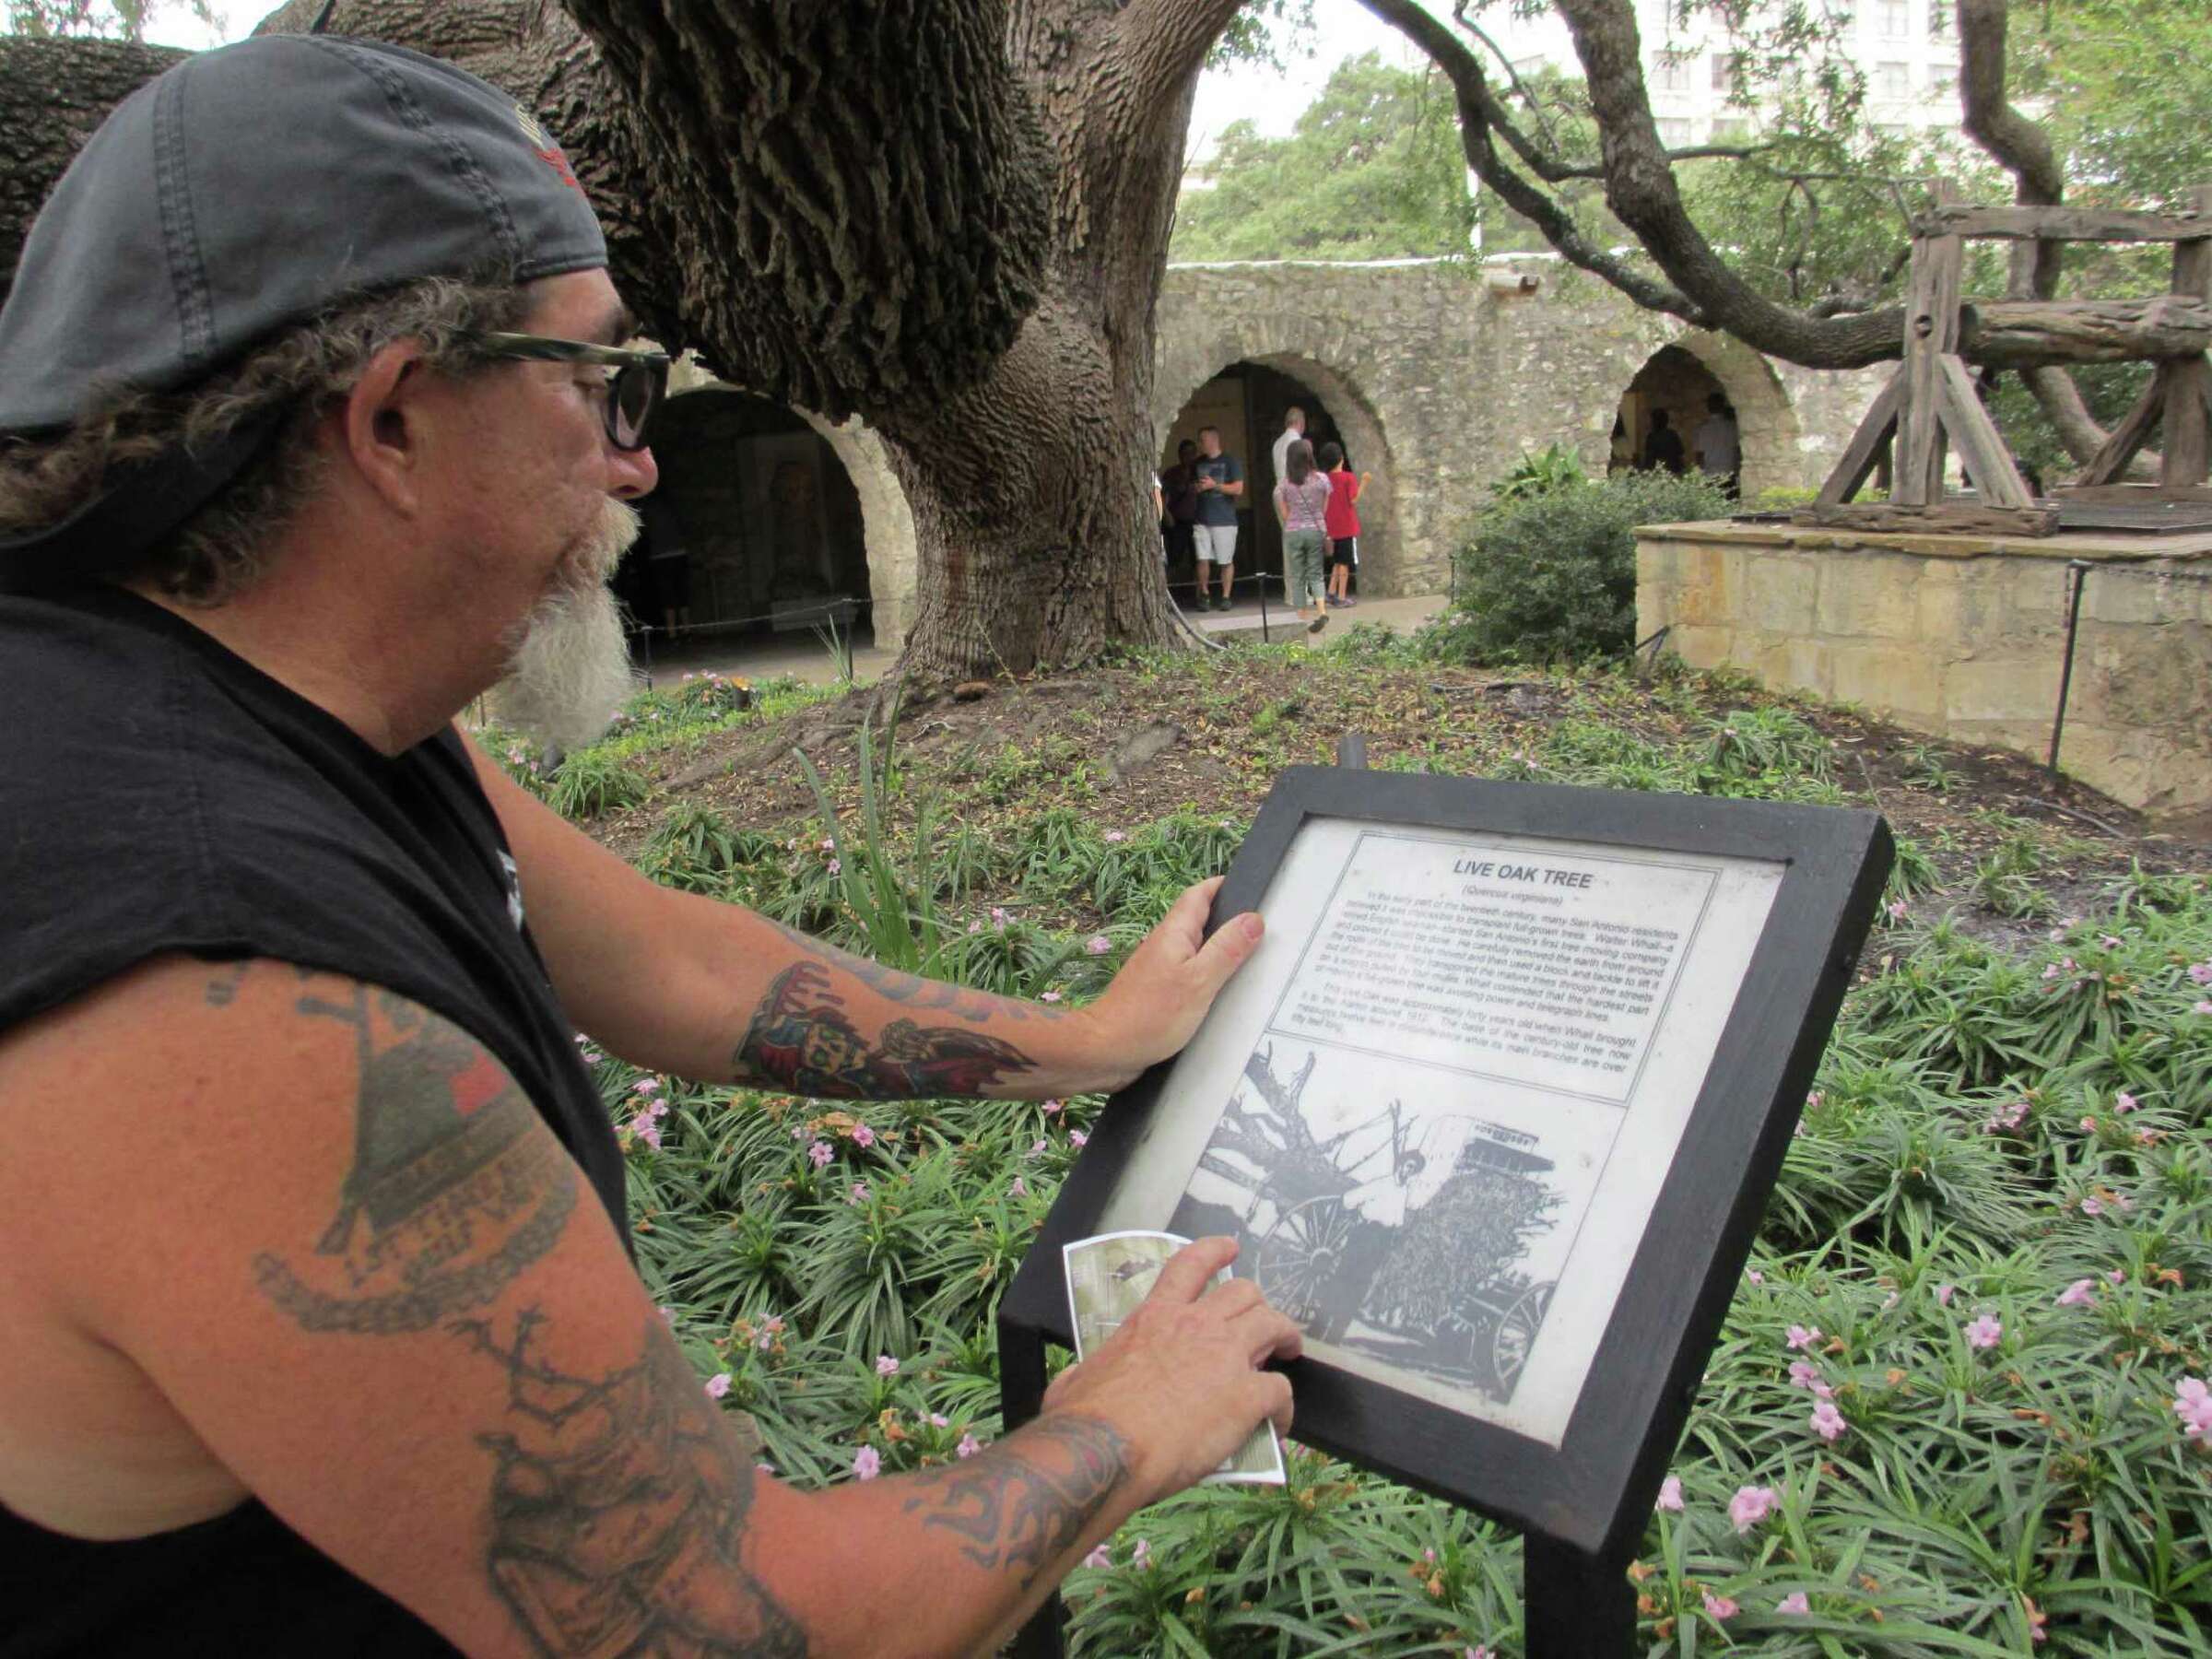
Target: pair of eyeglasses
column 634, row 390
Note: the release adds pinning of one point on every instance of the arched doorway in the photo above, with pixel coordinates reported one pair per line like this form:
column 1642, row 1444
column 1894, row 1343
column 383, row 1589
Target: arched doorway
column 772, row 531
column 1247, row 400
column 1680, row 378
column 1673, row 392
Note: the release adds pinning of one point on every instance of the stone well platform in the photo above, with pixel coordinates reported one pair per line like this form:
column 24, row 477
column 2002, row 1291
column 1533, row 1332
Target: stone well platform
column 1963, row 637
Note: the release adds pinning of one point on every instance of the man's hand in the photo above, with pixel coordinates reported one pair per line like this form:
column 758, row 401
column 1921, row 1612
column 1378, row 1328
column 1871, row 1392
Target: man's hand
column 1181, row 1379
column 1166, row 986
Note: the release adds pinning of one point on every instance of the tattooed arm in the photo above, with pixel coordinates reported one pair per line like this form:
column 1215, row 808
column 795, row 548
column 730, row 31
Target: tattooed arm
column 340, row 1264
column 685, row 984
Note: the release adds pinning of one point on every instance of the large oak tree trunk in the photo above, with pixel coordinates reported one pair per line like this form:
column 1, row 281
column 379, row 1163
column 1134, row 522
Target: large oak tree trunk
column 947, row 217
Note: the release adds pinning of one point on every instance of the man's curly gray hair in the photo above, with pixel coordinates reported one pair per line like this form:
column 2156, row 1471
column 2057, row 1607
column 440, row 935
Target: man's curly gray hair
column 220, row 551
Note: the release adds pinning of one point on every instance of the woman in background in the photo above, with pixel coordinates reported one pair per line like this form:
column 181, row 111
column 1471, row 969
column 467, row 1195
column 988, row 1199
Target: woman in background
column 1302, row 502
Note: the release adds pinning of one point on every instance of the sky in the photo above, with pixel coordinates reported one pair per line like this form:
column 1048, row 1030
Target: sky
column 1272, row 100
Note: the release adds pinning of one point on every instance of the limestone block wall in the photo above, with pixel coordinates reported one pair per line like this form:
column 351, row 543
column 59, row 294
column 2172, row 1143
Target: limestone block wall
column 1963, row 637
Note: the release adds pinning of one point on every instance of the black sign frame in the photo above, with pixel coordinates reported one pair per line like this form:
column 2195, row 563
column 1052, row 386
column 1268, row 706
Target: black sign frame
column 1592, row 1495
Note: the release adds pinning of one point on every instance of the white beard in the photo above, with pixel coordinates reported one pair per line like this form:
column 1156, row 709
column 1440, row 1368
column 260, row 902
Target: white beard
column 570, row 673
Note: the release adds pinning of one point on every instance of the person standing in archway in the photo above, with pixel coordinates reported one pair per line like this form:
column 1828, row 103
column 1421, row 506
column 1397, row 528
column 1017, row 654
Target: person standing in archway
column 1342, row 521
column 1662, row 447
column 1179, row 487
column 1294, row 429
column 1720, row 446
column 1220, row 482
column 1302, row 502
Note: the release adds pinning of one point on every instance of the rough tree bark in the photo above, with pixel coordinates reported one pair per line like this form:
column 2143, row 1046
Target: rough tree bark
column 947, row 217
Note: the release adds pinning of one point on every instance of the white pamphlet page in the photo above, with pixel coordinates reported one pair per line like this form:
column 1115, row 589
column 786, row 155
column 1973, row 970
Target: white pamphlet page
column 1107, row 1276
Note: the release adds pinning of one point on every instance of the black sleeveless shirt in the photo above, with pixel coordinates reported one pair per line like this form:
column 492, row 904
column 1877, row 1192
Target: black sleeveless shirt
column 159, row 794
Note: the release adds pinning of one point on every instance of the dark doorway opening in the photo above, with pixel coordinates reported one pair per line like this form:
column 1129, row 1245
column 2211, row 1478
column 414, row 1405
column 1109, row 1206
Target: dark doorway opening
column 1673, row 383
column 756, row 527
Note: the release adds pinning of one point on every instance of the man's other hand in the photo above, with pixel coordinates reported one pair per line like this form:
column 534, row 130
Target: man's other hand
column 1180, row 1379
column 1168, row 983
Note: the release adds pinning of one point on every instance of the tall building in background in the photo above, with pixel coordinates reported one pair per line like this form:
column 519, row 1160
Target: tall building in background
column 1907, row 49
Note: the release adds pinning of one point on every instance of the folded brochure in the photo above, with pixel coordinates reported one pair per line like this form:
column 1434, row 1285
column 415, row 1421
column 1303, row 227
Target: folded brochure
column 1107, row 1277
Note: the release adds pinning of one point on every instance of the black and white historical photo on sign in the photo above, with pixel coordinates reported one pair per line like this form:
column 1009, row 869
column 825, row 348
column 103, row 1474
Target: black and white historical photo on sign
column 1438, row 1107
column 1428, row 1239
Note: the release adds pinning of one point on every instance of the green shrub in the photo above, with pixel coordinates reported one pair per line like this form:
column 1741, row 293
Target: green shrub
column 1551, row 576
column 1556, row 468
column 594, row 781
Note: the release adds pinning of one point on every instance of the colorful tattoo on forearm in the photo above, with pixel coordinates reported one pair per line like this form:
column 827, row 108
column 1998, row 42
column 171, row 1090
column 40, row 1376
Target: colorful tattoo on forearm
column 801, row 1039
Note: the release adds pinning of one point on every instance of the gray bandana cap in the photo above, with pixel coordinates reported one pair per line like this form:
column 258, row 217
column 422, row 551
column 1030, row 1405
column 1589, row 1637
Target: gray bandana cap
column 252, row 188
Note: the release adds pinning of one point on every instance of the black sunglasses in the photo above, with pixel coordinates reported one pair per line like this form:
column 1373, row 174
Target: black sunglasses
column 634, row 390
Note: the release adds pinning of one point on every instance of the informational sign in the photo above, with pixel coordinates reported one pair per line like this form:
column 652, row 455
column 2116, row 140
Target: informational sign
column 1437, row 1106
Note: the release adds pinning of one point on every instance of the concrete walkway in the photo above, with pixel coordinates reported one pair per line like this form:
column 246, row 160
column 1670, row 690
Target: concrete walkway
column 809, row 660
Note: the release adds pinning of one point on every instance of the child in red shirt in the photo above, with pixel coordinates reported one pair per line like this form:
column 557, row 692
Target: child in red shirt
column 1342, row 522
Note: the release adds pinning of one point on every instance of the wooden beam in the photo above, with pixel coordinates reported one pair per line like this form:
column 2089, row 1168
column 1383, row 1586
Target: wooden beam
column 1863, row 452
column 1947, row 519
column 2182, row 460
column 2029, row 334
column 2058, row 224
column 1931, row 331
column 1989, row 464
column 2133, row 433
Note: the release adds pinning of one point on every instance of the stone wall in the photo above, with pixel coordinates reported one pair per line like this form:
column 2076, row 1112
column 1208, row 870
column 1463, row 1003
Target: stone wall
column 1963, row 637
column 1440, row 374
column 1450, row 371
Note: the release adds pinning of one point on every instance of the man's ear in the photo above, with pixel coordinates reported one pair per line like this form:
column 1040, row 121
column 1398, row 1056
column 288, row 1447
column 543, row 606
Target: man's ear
column 380, row 428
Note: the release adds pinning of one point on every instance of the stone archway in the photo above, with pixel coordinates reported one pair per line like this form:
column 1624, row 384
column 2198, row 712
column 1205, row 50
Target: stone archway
column 1362, row 428
column 886, row 521
column 1767, row 425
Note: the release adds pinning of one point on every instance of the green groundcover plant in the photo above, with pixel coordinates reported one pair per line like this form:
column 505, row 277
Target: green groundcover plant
column 1960, row 1404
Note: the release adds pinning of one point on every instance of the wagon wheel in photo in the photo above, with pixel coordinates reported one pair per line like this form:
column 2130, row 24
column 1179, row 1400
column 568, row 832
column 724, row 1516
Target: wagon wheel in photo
column 1517, row 1334
column 1301, row 1260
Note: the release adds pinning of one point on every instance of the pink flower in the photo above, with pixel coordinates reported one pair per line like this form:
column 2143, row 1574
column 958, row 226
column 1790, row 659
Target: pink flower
column 1670, row 1495
column 2118, row 1275
column 1983, row 1333
column 1038, row 1145
column 829, row 842
column 2124, row 1101
column 1807, row 1377
column 645, row 1086
column 976, row 927
column 1750, row 1506
column 835, row 867
column 2201, row 971
column 1944, row 1294
column 1077, row 1138
column 820, row 1154
column 717, row 1385
column 2204, row 1008
column 646, row 1130
column 1793, row 1603
column 2079, row 1294
column 1141, row 1553
column 998, row 917
column 1098, row 1558
column 867, row 1463
column 1115, row 837
column 1828, row 1422
column 1896, row 911
column 2090, row 1124
column 1755, row 1277
column 969, row 1446
column 863, row 1135
column 1478, row 1652
column 2192, row 1404
column 858, row 1193
column 1050, row 997
column 1020, row 1189
column 669, row 1314
column 885, row 1366
column 2092, row 1206
column 1718, row 1608
column 937, row 1419
column 1053, row 1108
column 2049, row 971
column 2110, row 941
column 1097, row 944
column 1800, row 1337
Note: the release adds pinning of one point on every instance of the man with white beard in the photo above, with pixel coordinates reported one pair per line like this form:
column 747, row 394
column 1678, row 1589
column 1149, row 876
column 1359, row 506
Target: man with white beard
column 570, row 670
column 321, row 1335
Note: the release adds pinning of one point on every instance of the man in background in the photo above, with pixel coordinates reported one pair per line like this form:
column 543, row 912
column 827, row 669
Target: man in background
column 1720, row 446
column 1221, row 483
